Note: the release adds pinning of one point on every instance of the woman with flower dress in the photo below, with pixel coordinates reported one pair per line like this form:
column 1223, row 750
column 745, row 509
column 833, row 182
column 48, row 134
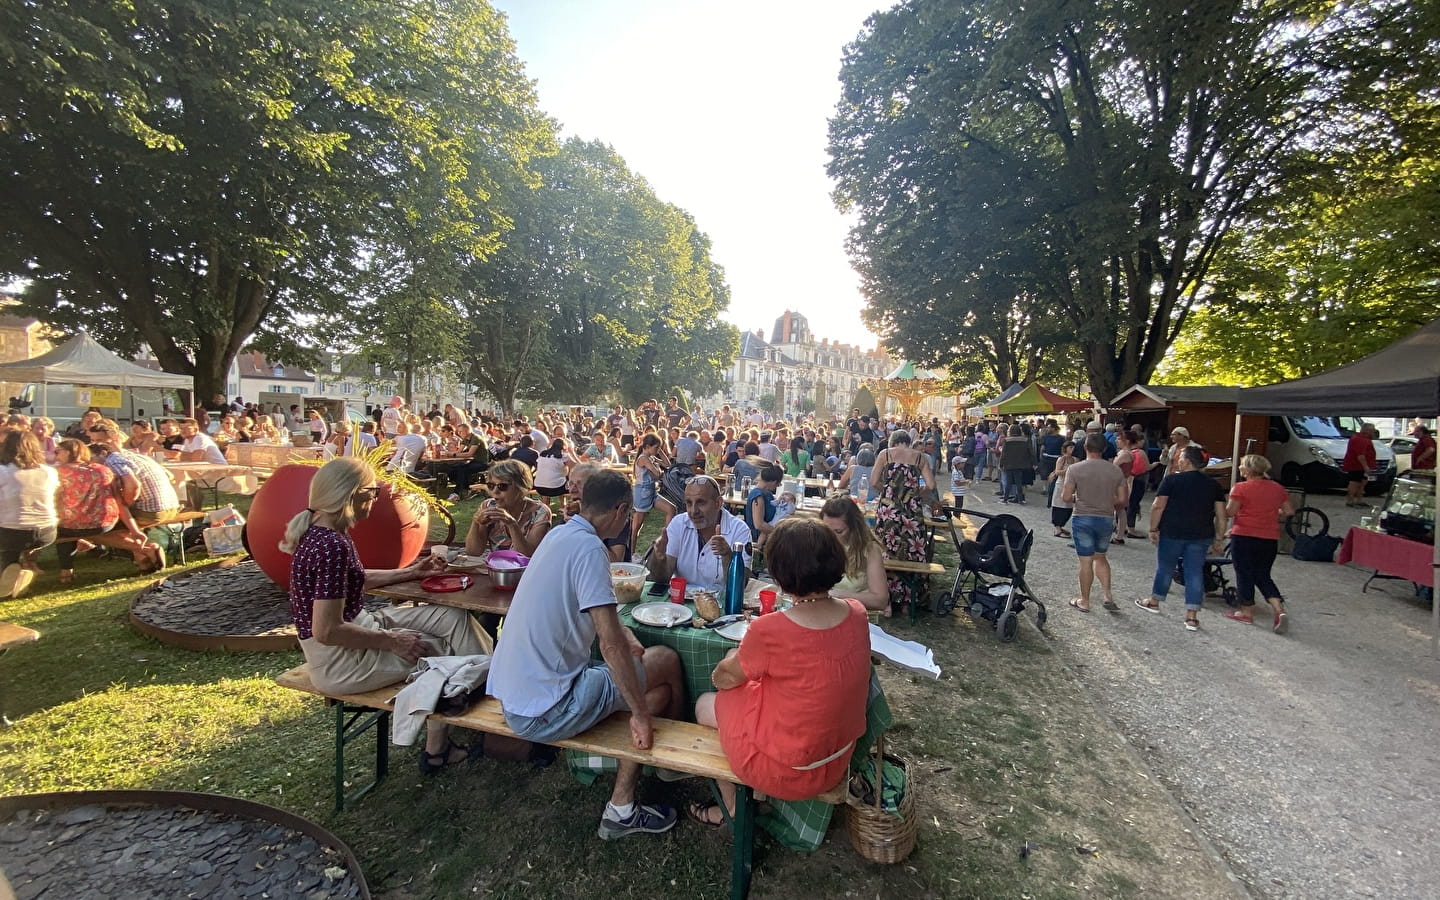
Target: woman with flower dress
column 904, row 485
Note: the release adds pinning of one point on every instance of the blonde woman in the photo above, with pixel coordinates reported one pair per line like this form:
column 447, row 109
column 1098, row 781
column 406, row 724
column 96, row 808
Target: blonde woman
column 349, row 649
column 1255, row 507
column 509, row 520
column 864, row 557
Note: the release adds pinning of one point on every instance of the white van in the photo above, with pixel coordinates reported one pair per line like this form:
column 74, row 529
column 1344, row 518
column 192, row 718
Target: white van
column 1306, row 451
column 59, row 402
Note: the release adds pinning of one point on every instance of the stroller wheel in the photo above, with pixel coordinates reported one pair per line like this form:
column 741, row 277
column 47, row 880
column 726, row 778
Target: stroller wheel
column 1006, row 625
column 1232, row 597
column 1040, row 618
column 944, row 603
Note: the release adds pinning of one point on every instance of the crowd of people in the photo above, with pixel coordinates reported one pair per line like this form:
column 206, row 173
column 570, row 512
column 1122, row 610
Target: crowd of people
column 84, row 488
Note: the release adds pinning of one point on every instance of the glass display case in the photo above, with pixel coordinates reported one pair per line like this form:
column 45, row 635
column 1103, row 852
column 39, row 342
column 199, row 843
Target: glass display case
column 1409, row 509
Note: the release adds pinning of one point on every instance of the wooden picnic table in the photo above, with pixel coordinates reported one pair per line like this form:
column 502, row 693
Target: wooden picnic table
column 479, row 597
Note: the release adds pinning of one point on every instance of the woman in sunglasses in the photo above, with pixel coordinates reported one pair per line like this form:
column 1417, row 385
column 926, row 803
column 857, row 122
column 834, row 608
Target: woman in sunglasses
column 509, row 520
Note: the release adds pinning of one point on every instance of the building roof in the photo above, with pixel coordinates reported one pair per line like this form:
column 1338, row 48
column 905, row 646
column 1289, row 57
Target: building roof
column 1165, row 394
column 255, row 365
column 753, row 346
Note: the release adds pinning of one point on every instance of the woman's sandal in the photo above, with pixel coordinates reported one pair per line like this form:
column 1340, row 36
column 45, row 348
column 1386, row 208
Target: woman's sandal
column 67, row 576
column 707, row 814
column 1076, row 603
column 1192, row 622
column 1236, row 615
column 433, row 763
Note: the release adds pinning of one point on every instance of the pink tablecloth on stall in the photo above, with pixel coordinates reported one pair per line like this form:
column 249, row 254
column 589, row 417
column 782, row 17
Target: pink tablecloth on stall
column 1389, row 555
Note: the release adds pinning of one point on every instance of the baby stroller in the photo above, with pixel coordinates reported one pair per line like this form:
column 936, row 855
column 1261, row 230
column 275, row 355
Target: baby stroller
column 1213, row 576
column 990, row 581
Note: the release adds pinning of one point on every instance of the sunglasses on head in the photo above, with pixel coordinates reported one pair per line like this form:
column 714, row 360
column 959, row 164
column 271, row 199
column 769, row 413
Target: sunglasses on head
column 368, row 493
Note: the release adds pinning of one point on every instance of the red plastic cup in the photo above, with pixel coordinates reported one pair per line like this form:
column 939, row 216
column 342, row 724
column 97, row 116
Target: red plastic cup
column 677, row 590
column 767, row 602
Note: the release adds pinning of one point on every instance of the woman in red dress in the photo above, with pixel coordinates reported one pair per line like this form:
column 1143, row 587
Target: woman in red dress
column 791, row 699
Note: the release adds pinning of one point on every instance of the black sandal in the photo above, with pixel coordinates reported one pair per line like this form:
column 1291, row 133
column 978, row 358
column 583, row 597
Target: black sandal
column 433, row 763
column 701, row 812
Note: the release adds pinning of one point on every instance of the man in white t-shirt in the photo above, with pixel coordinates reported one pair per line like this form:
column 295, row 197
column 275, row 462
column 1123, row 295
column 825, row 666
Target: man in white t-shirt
column 699, row 543
column 199, row 446
column 391, row 419
column 409, row 448
column 542, row 673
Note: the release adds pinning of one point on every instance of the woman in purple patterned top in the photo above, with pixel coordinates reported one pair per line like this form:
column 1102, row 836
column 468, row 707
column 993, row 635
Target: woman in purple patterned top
column 349, row 649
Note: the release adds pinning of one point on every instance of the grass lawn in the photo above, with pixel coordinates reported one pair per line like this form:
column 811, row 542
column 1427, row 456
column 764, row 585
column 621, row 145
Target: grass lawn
column 1006, row 751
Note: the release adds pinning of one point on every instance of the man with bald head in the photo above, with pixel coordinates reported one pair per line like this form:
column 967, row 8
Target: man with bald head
column 697, row 544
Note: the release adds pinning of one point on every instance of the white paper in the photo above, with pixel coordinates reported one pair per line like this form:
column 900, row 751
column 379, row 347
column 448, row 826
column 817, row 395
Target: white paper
column 906, row 654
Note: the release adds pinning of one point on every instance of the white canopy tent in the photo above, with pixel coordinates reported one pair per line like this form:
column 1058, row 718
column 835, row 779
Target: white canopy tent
column 81, row 360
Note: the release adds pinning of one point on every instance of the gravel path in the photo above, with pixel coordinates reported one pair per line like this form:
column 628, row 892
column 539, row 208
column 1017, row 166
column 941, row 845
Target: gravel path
column 1312, row 760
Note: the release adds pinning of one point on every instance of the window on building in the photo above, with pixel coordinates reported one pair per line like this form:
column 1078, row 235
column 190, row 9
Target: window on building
column 297, row 390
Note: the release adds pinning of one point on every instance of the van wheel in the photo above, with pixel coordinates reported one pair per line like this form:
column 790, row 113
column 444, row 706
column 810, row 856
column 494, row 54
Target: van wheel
column 1290, row 475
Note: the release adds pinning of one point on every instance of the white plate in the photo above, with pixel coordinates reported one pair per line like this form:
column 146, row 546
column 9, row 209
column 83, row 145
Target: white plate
column 664, row 615
column 735, row 631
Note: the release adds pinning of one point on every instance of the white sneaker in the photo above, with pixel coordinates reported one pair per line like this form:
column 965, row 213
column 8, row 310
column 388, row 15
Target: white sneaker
column 22, row 582
column 9, row 578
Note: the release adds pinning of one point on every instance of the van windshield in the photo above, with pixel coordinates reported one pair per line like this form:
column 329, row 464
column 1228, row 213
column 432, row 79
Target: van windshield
column 1324, row 426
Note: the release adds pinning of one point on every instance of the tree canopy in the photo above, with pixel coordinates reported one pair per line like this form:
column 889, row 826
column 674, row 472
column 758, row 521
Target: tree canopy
column 600, row 290
column 196, row 175
column 1090, row 158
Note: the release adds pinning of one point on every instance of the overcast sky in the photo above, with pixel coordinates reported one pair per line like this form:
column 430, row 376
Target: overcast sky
column 722, row 107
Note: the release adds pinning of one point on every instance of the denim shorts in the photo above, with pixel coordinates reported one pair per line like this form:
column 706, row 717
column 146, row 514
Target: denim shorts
column 1091, row 534
column 644, row 496
column 593, row 696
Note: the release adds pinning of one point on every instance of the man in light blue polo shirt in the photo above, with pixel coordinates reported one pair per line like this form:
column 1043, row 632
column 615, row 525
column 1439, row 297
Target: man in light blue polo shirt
column 542, row 672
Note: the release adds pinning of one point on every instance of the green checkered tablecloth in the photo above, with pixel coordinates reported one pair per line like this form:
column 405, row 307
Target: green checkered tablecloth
column 799, row 825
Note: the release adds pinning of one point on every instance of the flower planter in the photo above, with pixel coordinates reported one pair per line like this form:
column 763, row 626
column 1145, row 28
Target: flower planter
column 390, row 538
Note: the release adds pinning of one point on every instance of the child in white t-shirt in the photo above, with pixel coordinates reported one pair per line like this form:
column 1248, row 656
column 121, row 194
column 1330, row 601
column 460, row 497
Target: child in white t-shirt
column 959, row 484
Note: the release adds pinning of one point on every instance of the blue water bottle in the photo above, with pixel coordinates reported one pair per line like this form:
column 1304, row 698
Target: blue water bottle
column 735, row 583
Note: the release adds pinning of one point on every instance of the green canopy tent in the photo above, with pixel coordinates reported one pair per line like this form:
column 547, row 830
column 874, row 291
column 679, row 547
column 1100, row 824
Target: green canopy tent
column 1037, row 398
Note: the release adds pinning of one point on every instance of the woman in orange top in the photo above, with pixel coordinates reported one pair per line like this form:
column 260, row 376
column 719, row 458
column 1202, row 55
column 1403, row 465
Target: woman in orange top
column 792, row 697
column 1256, row 505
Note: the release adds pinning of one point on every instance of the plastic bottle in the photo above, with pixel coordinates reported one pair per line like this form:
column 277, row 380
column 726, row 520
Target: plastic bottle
column 735, row 583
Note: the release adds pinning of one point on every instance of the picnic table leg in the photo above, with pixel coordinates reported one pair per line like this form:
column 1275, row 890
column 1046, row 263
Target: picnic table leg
column 347, row 730
column 742, row 854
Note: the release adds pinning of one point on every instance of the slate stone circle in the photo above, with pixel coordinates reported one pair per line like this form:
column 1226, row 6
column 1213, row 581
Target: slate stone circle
column 227, row 601
column 160, row 853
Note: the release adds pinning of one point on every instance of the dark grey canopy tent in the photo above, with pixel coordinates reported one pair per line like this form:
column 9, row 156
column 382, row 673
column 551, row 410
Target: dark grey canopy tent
column 1401, row 380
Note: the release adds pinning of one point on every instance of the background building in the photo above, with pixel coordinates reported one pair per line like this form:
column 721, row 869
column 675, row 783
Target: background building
column 806, row 374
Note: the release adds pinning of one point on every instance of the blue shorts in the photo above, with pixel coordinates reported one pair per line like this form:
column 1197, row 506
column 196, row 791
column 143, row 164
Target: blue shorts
column 1091, row 534
column 643, row 497
column 593, row 696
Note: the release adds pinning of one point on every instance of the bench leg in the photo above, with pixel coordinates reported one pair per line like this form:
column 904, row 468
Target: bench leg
column 742, row 854
column 360, row 718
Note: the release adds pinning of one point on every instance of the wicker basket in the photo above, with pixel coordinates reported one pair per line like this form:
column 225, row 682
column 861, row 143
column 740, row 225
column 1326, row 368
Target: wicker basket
column 875, row 834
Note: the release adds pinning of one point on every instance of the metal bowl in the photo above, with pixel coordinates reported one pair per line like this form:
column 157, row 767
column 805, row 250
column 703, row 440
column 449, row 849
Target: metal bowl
column 505, row 579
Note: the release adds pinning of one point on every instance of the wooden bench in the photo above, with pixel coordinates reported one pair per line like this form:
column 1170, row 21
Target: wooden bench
column 12, row 636
column 678, row 746
column 913, row 567
column 175, row 539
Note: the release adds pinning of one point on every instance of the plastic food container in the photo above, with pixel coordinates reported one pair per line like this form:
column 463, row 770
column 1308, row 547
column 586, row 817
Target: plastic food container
column 628, row 579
